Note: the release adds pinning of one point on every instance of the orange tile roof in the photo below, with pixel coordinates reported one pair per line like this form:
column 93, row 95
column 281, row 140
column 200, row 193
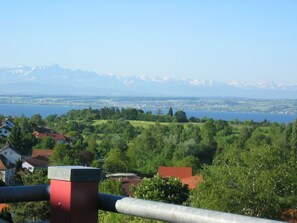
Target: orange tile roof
column 179, row 172
column 3, row 206
column 192, row 181
column 59, row 137
column 2, row 165
column 38, row 153
column 289, row 215
column 56, row 136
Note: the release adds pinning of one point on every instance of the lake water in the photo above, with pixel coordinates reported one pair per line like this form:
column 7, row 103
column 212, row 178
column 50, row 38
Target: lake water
column 243, row 116
column 45, row 110
column 29, row 110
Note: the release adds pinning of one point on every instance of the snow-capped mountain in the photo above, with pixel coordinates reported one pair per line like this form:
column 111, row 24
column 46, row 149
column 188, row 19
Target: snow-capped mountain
column 55, row 80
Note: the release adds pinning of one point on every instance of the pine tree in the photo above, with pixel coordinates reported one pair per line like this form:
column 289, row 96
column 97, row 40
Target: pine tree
column 170, row 112
column 15, row 137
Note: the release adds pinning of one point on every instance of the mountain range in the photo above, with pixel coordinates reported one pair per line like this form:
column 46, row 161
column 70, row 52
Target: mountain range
column 55, row 80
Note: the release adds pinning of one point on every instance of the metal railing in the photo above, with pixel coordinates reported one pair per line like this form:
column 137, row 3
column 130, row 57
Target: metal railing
column 134, row 207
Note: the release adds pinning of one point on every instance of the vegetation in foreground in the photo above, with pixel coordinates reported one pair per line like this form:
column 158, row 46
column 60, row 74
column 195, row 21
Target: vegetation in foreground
column 249, row 168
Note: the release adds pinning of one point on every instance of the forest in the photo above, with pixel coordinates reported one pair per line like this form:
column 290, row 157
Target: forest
column 248, row 167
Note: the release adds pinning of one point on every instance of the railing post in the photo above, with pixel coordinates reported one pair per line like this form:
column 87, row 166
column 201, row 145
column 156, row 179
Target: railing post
column 73, row 194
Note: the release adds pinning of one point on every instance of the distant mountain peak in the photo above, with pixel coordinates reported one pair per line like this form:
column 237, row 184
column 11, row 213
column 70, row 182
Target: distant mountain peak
column 197, row 82
column 56, row 80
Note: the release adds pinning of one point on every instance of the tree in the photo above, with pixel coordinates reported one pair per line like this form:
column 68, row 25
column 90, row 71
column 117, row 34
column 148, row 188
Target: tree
column 119, row 142
column 170, row 112
column 191, row 132
column 24, row 123
column 244, row 135
column 92, row 143
column 180, row 116
column 111, row 186
column 64, row 154
column 258, row 138
column 21, row 136
column 15, row 137
column 21, row 139
column 294, row 137
column 115, row 161
column 77, row 140
column 208, row 145
column 208, row 133
column 46, row 143
column 146, row 150
column 37, row 120
column 169, row 190
column 50, row 120
column 175, row 192
column 186, row 154
column 260, row 182
column 6, row 215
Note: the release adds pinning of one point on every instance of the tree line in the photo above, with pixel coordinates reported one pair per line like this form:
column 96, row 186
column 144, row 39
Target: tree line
column 248, row 167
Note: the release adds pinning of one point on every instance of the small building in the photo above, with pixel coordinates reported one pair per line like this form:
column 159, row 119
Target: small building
column 178, row 172
column 60, row 138
column 42, row 154
column 126, row 179
column 56, row 136
column 11, row 154
column 31, row 164
column 192, row 181
column 40, row 159
column 4, row 131
column 7, row 170
column 6, row 122
column 121, row 176
column 183, row 173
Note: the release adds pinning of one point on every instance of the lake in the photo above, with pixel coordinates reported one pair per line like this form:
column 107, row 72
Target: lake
column 29, row 110
column 45, row 110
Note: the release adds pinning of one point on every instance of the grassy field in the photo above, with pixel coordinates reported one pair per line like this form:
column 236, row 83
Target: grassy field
column 98, row 122
column 144, row 124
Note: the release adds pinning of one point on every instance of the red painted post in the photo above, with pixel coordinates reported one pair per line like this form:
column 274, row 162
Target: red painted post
column 74, row 194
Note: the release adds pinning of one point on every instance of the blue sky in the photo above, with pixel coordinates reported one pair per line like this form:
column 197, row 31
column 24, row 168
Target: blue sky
column 223, row 40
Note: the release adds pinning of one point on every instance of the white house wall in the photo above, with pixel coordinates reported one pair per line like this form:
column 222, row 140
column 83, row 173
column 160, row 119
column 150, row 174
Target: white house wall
column 28, row 166
column 7, row 175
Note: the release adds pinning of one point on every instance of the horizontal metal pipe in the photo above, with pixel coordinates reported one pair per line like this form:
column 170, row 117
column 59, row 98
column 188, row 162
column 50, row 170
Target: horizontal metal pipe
column 24, row 193
column 170, row 212
column 135, row 207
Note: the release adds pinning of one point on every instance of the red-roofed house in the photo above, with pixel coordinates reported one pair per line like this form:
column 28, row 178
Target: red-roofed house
column 183, row 173
column 40, row 159
column 192, row 181
column 56, row 136
column 179, row 172
column 42, row 154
